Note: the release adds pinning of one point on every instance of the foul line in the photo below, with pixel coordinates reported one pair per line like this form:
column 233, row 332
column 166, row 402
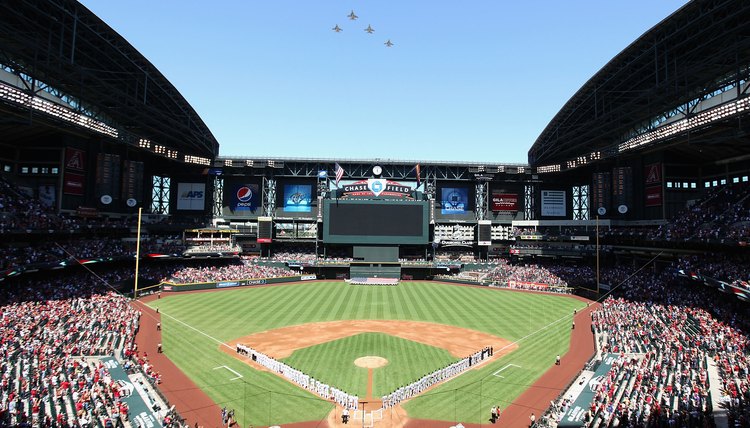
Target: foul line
column 195, row 329
column 509, row 365
column 234, row 378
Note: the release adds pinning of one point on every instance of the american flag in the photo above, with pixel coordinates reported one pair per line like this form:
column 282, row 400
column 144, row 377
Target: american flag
column 339, row 173
column 417, row 173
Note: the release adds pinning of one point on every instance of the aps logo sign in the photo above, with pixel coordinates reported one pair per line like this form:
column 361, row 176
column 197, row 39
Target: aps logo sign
column 193, row 194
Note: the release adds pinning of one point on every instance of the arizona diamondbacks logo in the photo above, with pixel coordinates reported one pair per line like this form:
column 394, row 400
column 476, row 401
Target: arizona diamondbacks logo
column 594, row 383
column 455, row 201
column 298, row 198
column 376, row 185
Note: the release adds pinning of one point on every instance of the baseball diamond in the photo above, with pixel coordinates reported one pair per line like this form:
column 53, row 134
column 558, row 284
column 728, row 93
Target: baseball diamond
column 425, row 312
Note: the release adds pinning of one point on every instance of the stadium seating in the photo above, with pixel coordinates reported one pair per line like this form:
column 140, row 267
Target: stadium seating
column 667, row 336
column 241, row 270
column 48, row 329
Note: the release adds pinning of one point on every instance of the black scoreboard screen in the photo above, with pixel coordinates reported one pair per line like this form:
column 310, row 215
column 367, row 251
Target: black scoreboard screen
column 375, row 222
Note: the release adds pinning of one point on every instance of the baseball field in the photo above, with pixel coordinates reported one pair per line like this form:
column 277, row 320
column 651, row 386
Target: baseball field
column 322, row 327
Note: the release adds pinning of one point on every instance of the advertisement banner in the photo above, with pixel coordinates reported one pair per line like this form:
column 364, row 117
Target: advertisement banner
column 652, row 174
column 142, row 413
column 504, row 202
column 454, row 200
column 375, row 187
column 74, row 184
column 298, row 198
column 191, row 196
column 514, row 284
column 654, row 196
column 530, row 237
column 47, row 195
column 226, row 284
column 553, row 203
column 243, row 198
column 574, row 417
column 75, row 159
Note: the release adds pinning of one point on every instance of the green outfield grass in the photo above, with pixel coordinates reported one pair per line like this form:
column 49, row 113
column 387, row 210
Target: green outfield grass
column 193, row 325
column 333, row 362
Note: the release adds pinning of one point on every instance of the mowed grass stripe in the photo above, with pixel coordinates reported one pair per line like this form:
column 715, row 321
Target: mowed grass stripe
column 417, row 298
column 235, row 313
column 406, row 311
column 443, row 302
column 277, row 313
column 264, row 301
column 313, row 306
column 290, row 314
column 339, row 307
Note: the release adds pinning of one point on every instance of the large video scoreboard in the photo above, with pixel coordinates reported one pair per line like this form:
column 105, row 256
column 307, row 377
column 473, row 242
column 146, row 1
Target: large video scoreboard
column 375, row 222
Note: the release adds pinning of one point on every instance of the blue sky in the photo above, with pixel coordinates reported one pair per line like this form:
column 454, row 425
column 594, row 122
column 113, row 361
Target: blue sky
column 465, row 81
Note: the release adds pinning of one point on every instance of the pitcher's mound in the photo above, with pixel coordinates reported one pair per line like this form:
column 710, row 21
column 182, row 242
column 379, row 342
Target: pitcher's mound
column 370, row 362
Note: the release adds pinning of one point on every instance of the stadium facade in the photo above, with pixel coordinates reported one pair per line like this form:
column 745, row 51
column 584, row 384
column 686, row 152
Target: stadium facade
column 93, row 126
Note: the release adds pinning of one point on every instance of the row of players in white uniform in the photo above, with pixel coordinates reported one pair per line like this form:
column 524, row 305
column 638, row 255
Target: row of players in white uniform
column 420, row 385
column 311, row 384
column 351, row 401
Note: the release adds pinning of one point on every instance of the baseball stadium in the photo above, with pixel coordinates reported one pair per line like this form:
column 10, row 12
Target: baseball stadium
column 147, row 280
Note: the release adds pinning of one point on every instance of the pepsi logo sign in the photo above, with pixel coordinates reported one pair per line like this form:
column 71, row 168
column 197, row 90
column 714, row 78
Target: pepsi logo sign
column 244, row 194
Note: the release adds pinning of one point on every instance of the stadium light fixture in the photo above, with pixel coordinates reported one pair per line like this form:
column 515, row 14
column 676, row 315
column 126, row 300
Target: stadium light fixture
column 55, row 110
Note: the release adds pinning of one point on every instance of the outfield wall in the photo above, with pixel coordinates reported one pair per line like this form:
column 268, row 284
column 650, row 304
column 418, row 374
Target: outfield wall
column 169, row 286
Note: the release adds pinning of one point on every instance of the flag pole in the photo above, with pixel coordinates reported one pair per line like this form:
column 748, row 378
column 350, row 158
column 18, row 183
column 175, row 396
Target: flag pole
column 137, row 253
column 597, row 256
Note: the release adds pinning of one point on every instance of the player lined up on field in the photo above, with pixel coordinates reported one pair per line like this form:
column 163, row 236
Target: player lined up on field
column 440, row 375
column 306, row 381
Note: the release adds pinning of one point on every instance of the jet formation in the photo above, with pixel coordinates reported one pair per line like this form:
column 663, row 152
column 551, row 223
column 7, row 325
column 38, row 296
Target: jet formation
column 369, row 30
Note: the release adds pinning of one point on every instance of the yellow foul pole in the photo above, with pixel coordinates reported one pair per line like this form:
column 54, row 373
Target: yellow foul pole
column 137, row 253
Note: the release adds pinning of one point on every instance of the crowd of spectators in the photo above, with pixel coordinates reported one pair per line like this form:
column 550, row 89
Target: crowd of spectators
column 667, row 333
column 501, row 273
column 20, row 211
column 244, row 269
column 215, row 248
column 722, row 214
column 295, row 256
column 504, row 272
column 731, row 269
column 48, row 327
column 19, row 256
column 454, row 256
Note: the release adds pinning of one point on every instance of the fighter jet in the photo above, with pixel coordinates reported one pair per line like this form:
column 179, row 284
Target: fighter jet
column 352, row 16
column 369, row 29
column 337, row 28
column 388, row 43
